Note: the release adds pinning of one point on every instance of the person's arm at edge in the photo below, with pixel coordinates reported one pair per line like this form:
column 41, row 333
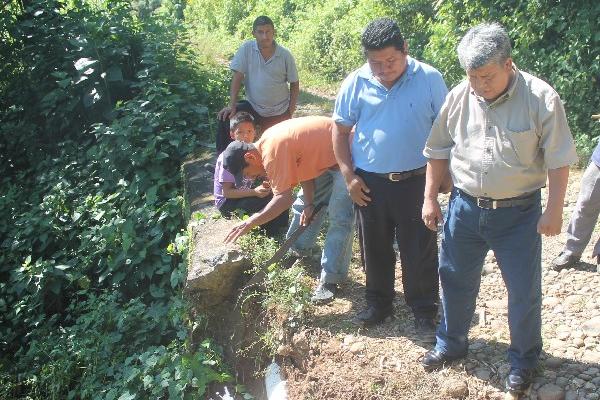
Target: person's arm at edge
column 231, row 192
column 278, row 204
column 234, row 91
column 437, row 171
column 341, row 148
column 550, row 222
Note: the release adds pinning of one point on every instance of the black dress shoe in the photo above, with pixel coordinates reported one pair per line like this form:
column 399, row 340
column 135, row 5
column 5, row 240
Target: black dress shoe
column 435, row 359
column 372, row 316
column 519, row 380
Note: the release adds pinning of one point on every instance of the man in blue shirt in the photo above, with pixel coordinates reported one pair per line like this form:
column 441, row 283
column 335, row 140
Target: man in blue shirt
column 392, row 100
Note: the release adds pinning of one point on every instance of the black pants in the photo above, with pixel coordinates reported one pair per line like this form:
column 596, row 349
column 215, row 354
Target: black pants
column 223, row 136
column 395, row 212
column 251, row 205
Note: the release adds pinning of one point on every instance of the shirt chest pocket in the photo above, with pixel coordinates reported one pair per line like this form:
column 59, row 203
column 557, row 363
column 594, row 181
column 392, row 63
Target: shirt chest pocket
column 525, row 145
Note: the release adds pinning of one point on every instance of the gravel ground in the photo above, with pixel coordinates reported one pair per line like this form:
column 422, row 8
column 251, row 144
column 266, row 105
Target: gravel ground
column 341, row 361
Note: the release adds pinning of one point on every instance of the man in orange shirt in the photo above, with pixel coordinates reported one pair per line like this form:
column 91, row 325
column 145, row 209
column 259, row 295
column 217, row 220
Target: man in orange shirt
column 300, row 151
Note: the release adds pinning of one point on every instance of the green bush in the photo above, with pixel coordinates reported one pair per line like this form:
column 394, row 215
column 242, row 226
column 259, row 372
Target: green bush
column 560, row 45
column 324, row 36
column 92, row 255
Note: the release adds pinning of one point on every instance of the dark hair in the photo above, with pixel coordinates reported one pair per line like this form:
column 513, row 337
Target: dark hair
column 238, row 118
column 382, row 33
column 234, row 161
column 262, row 20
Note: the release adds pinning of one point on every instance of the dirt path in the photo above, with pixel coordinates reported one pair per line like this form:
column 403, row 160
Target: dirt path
column 346, row 362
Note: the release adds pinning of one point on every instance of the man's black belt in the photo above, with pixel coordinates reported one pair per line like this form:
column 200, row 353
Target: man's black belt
column 397, row 176
column 492, row 204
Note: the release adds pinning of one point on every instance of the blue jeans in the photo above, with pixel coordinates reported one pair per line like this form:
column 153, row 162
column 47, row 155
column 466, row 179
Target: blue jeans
column 511, row 232
column 330, row 188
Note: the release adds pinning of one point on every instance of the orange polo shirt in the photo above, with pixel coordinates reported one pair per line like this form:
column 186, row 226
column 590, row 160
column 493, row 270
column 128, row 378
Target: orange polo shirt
column 296, row 150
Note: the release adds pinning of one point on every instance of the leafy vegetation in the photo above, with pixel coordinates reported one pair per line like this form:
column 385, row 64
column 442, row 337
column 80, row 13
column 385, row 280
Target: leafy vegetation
column 560, row 45
column 286, row 295
column 97, row 110
column 101, row 100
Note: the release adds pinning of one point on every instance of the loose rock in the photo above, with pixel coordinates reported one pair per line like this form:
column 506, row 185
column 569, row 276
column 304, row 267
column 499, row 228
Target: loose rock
column 591, row 327
column 455, row 388
column 554, row 362
column 551, row 392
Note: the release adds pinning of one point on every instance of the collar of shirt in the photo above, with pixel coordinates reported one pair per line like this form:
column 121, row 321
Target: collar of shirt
column 411, row 69
column 509, row 93
column 276, row 53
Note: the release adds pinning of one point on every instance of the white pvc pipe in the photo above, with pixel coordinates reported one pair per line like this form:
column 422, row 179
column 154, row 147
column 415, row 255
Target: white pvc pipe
column 276, row 387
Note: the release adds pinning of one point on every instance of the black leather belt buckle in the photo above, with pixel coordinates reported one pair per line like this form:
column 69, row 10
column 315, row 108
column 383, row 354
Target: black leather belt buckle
column 488, row 204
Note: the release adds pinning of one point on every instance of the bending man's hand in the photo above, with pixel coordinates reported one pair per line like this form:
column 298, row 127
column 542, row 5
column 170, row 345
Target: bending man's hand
column 431, row 214
column 240, row 229
column 307, row 214
column 358, row 190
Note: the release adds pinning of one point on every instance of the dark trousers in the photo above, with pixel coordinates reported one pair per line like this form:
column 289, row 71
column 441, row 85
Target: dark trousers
column 223, row 136
column 251, row 205
column 395, row 212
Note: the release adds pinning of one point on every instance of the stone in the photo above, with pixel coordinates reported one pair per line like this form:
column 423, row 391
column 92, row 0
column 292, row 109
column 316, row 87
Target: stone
column 497, row 304
column 551, row 392
column 555, row 343
column 550, row 301
column 591, row 327
column 571, row 395
column 357, row 347
column 215, row 267
column 348, row 340
column 477, row 345
column 483, row 374
column 578, row 334
column 592, row 357
column 455, row 388
column 554, row 362
column 592, row 371
column 562, row 381
column 577, row 382
column 585, row 377
column 562, row 335
column 487, row 269
column 573, row 300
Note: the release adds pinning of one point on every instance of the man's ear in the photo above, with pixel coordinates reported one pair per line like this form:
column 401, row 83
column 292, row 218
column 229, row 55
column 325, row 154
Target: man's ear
column 405, row 51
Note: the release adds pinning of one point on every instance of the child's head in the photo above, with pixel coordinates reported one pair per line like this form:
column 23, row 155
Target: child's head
column 241, row 127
